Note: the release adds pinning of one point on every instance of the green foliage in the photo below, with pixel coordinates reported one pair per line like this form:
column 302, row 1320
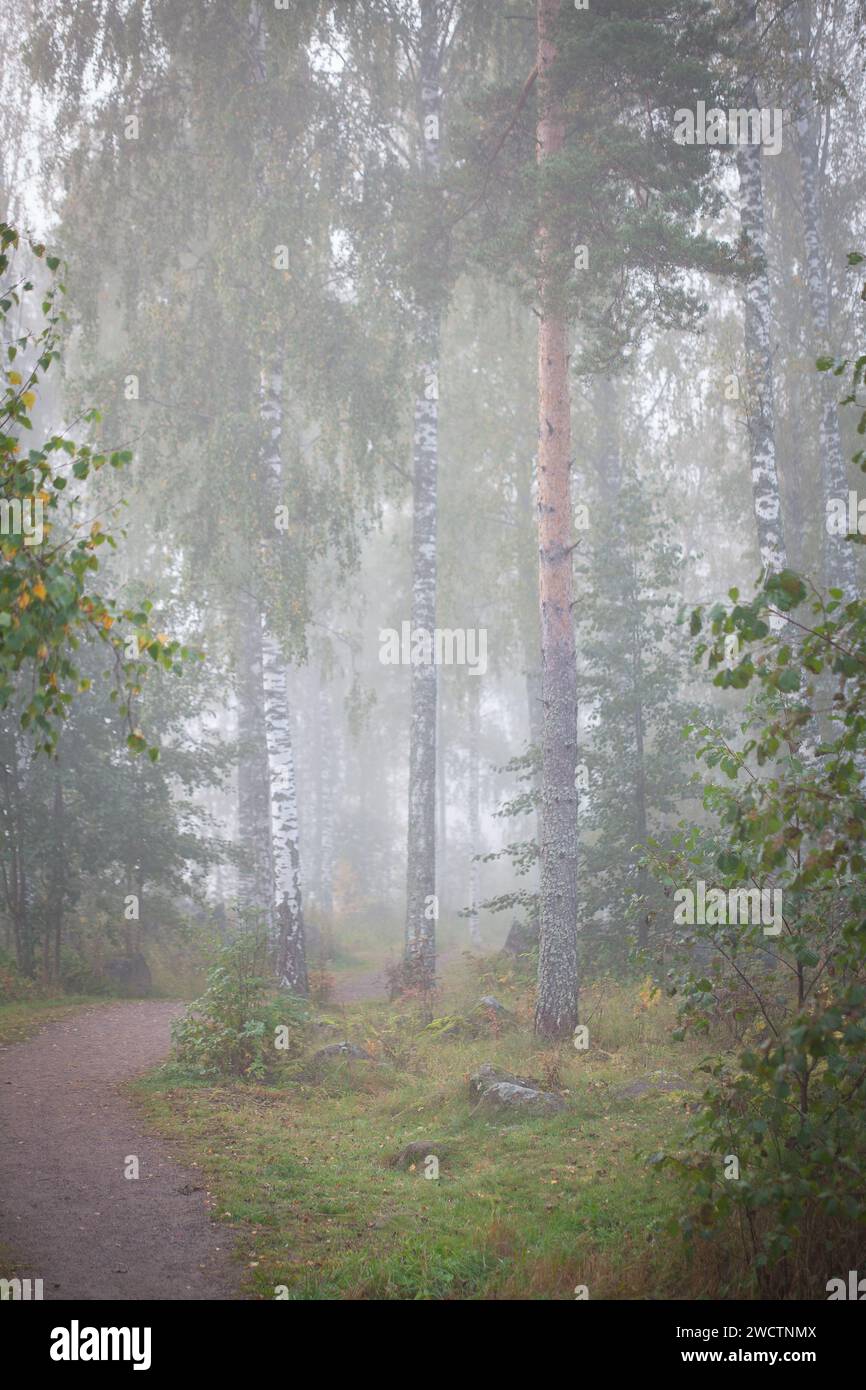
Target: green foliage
column 13, row 985
column 232, row 1030
column 47, row 607
column 791, row 817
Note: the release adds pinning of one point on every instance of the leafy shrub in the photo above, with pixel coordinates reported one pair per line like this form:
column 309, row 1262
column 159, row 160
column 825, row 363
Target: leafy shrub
column 78, row 976
column 791, row 818
column 13, row 985
column 240, row 1027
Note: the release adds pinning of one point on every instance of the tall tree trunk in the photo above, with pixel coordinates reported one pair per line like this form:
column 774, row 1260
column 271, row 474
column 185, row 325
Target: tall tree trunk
column 288, row 919
column 640, row 789
column 556, row 1008
column 840, row 570
column 256, row 877
column 329, row 770
column 474, row 810
column 421, row 846
column 441, row 810
column 534, row 709
column 290, row 948
column 760, row 403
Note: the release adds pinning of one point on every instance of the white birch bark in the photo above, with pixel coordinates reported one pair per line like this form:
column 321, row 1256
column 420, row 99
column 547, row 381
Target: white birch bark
column 840, row 570
column 255, row 877
column 474, row 811
column 288, row 917
column 421, row 841
column 760, row 403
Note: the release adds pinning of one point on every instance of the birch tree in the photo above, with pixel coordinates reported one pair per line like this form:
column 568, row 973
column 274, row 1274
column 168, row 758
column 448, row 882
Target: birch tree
column 421, row 845
column 757, row 329
column 840, row 569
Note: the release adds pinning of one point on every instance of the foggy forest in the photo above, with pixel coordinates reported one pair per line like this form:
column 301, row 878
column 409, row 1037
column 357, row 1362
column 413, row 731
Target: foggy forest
column 432, row 656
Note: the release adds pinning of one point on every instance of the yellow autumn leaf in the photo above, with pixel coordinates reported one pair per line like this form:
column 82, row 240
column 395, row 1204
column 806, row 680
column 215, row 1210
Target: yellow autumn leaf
column 15, row 378
column 29, row 399
column 39, row 590
column 24, row 599
column 107, row 621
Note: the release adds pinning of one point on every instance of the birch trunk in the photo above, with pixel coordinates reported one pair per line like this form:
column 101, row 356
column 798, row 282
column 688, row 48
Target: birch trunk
column 760, row 403
column 441, row 811
column 290, row 944
column 326, row 805
column 840, row 570
column 474, row 811
column 556, row 1008
column 421, row 846
column 256, row 876
column 288, row 920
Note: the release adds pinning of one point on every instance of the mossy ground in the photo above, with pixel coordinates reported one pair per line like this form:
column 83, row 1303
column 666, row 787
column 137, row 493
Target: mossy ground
column 522, row 1208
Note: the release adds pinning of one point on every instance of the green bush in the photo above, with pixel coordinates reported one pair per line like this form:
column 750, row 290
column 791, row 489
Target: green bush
column 789, row 1105
column 13, row 985
column 240, row 1027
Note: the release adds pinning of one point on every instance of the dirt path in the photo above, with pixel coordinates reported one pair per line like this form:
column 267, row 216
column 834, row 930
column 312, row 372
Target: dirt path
column 66, row 1209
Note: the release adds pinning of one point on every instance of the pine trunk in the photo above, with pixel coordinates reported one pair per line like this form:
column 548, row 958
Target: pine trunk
column 556, row 1008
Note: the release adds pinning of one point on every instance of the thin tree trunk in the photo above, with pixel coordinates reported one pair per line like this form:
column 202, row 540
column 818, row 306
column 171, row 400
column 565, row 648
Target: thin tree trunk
column 421, row 846
column 474, row 810
column 556, row 1008
column 256, row 877
column 326, row 808
column 760, row 403
column 441, row 810
column 290, row 951
column 840, row 570
column 288, row 919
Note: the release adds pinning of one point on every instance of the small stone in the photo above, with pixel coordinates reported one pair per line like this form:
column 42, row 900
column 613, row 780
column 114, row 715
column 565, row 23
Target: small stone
column 342, row 1049
column 417, row 1153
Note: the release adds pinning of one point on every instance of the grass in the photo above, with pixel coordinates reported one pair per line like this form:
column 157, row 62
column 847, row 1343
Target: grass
column 522, row 1209
column 21, row 1018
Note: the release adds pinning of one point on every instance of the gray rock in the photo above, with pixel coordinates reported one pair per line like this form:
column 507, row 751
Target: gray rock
column 417, row 1152
column 503, row 1095
column 488, row 1075
column 500, row 1090
column 341, row 1049
column 489, row 1001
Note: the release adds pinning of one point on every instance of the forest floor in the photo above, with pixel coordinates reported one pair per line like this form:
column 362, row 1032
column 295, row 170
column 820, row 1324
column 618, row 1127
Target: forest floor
column 288, row 1190
column 68, row 1214
column 522, row 1208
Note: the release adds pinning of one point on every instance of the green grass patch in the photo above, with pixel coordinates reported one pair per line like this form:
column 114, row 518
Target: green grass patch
column 522, row 1208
